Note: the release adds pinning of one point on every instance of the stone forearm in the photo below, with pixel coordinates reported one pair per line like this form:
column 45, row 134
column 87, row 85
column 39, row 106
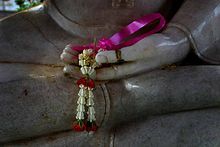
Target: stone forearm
column 38, row 100
column 164, row 91
column 201, row 19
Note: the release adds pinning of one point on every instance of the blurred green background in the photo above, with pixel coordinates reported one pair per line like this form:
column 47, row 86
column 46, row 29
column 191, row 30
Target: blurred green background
column 8, row 7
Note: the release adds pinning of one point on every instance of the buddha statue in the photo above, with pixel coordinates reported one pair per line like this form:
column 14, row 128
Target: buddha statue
column 137, row 103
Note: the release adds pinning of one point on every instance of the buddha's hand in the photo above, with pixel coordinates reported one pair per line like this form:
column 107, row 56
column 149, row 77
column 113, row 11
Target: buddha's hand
column 149, row 53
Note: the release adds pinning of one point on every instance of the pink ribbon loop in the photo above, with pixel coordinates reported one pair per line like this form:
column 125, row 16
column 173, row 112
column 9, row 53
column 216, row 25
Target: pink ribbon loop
column 105, row 44
column 124, row 37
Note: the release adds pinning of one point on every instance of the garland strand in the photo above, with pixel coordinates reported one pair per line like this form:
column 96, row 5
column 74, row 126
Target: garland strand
column 85, row 116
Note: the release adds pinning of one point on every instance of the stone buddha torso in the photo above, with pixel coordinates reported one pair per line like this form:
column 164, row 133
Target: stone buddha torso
column 37, row 102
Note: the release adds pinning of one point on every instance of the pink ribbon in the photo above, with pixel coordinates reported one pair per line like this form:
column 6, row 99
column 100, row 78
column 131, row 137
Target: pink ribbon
column 124, row 37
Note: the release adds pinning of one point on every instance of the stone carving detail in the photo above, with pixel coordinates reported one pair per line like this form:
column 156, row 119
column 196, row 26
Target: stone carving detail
column 122, row 3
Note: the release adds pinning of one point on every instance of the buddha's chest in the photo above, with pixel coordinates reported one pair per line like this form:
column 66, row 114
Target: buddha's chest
column 113, row 11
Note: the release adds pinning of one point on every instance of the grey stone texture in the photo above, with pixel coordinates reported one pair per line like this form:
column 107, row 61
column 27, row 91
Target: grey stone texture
column 162, row 108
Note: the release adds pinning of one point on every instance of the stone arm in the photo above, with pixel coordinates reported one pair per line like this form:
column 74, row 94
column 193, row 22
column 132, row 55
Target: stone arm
column 200, row 21
column 36, row 100
column 195, row 24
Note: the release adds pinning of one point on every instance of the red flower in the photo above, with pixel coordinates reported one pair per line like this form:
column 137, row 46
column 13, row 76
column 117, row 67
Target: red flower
column 93, row 55
column 79, row 127
column 91, row 83
column 77, row 48
column 91, row 126
column 82, row 81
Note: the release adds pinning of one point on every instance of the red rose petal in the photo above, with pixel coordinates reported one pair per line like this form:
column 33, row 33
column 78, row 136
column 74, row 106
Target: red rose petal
column 79, row 128
column 94, row 127
column 91, row 83
column 81, row 81
column 91, row 127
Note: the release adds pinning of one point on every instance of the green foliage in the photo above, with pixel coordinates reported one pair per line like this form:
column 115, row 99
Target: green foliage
column 23, row 5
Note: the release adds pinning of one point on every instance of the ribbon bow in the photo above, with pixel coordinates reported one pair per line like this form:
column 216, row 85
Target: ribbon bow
column 124, row 37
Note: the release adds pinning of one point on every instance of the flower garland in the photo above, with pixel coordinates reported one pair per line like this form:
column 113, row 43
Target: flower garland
column 85, row 117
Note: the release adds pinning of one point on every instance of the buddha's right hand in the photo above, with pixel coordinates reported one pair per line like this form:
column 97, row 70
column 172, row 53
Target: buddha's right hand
column 154, row 51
